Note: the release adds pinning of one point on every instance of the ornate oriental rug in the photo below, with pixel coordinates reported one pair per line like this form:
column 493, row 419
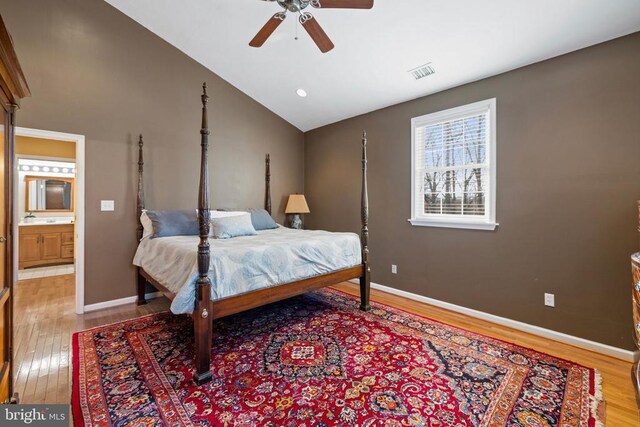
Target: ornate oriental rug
column 317, row 361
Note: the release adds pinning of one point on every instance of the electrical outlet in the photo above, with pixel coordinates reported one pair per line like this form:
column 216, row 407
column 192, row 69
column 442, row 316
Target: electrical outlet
column 550, row 300
column 394, row 269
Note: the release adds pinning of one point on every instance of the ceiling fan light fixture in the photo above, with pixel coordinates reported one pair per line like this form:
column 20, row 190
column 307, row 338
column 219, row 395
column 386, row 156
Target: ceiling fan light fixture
column 302, row 93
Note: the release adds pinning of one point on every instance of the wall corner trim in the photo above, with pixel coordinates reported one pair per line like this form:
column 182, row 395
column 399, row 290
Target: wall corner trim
column 118, row 302
column 618, row 353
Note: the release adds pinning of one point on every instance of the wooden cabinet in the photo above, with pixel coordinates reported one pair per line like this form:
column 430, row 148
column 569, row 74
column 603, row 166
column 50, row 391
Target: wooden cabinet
column 67, row 237
column 50, row 245
column 13, row 86
column 67, row 251
column 45, row 245
column 635, row 303
column 29, row 248
column 635, row 291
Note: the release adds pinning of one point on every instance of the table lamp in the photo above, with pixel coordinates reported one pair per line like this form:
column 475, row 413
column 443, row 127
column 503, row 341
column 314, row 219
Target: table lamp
column 296, row 205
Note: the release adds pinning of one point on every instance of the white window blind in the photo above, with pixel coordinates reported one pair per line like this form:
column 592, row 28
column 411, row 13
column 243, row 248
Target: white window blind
column 454, row 167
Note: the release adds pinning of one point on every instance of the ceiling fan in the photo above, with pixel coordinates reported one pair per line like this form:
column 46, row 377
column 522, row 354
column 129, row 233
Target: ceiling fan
column 307, row 20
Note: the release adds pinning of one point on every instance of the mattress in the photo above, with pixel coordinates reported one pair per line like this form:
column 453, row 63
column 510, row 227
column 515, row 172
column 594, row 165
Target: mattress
column 244, row 264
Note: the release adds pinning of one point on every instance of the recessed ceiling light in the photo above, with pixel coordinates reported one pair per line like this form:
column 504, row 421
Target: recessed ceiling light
column 301, row 93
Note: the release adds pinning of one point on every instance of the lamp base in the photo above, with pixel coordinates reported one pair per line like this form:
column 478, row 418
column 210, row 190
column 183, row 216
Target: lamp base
column 296, row 222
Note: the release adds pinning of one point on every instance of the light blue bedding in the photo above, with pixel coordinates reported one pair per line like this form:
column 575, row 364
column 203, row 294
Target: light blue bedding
column 244, row 264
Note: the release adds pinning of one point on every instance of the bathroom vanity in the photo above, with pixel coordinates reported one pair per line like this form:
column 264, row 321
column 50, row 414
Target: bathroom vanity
column 45, row 243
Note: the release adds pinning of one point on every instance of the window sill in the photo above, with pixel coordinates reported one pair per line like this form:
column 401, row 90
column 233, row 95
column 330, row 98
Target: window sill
column 469, row 225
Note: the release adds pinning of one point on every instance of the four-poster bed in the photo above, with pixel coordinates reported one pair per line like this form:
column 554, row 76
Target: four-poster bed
column 205, row 308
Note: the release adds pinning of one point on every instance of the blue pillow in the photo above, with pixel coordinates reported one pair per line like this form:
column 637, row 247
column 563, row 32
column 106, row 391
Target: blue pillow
column 232, row 226
column 261, row 219
column 173, row 223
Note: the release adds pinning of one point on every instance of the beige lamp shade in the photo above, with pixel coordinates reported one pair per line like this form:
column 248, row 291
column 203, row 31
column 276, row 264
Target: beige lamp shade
column 297, row 204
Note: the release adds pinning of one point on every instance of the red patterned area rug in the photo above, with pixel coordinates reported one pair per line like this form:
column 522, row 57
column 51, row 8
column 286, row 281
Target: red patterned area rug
column 315, row 361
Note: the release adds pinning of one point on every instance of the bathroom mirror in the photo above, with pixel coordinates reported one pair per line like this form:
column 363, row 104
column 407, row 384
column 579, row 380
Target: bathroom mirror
column 49, row 194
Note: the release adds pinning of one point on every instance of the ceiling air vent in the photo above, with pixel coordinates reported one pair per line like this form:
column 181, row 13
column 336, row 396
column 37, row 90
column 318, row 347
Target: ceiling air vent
column 422, row 71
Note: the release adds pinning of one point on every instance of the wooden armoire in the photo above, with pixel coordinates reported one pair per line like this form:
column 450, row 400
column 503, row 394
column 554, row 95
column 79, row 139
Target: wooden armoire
column 13, row 87
column 635, row 292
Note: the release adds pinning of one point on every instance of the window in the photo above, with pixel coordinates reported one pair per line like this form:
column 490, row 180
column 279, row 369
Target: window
column 453, row 167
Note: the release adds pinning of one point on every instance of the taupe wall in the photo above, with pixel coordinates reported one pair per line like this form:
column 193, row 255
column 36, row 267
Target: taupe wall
column 568, row 166
column 568, row 177
column 93, row 71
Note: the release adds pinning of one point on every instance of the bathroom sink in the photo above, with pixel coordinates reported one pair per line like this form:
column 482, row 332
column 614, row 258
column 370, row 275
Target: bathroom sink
column 48, row 221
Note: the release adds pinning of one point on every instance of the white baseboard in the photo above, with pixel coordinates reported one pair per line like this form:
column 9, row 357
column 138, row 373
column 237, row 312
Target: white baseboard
column 117, row 302
column 618, row 353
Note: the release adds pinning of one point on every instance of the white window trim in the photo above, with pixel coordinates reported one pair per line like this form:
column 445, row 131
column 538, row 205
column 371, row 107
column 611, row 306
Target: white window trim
column 488, row 222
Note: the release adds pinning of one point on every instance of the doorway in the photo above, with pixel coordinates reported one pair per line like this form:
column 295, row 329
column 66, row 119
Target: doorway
column 49, row 208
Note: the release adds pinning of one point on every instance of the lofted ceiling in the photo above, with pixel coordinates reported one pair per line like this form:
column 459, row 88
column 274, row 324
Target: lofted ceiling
column 464, row 40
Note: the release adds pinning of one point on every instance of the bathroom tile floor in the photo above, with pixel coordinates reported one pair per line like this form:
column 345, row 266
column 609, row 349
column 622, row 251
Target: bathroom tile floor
column 40, row 272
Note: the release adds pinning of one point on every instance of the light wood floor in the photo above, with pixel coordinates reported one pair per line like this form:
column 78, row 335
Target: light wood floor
column 45, row 320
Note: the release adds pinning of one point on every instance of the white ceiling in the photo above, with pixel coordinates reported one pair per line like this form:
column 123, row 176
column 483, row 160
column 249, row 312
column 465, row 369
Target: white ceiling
column 466, row 40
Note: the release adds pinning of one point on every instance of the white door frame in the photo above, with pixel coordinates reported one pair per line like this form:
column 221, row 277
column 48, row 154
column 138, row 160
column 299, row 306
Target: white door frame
column 79, row 204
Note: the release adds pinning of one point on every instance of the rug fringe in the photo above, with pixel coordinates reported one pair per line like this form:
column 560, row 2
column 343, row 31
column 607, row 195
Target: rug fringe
column 597, row 400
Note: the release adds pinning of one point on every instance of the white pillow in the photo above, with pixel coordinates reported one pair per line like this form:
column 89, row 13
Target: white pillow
column 232, row 226
column 225, row 214
column 147, row 225
column 213, row 214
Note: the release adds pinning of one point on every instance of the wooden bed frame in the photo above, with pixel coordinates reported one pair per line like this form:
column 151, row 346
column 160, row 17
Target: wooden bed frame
column 205, row 310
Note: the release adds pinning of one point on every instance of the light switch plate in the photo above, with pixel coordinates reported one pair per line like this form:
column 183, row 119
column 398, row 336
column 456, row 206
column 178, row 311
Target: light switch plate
column 107, row 205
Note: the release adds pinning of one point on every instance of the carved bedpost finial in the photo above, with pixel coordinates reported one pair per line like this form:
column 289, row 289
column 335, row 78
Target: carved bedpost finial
column 364, row 208
column 267, row 183
column 203, row 196
column 140, row 201
column 365, row 279
column 140, row 160
column 205, row 99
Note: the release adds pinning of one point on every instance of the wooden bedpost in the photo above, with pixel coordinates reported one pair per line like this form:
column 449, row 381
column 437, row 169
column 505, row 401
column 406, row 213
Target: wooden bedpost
column 142, row 282
column 365, row 279
column 267, row 183
column 201, row 314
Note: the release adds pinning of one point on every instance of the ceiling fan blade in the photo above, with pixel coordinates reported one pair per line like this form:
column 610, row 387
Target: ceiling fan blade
column 316, row 32
column 342, row 4
column 267, row 30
